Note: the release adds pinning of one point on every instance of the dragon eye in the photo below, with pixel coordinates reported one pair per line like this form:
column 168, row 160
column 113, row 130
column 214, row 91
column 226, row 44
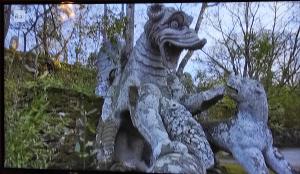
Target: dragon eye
column 174, row 24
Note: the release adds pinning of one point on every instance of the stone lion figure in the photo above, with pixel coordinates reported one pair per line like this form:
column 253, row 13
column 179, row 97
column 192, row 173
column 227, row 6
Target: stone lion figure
column 246, row 135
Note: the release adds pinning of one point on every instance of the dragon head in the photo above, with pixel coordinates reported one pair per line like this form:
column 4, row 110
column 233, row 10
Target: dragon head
column 168, row 31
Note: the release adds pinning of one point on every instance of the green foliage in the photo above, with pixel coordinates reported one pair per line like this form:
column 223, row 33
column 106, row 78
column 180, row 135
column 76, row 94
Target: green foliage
column 224, row 109
column 262, row 47
column 188, row 83
column 113, row 25
column 75, row 77
column 205, row 83
column 233, row 168
column 284, row 107
column 84, row 145
column 32, row 119
column 24, row 145
column 78, row 78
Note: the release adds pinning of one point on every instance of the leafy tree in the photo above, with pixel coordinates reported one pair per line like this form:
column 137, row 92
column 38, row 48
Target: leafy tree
column 250, row 49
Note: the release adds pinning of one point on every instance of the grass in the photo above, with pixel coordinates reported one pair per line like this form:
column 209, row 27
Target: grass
column 31, row 124
column 234, row 168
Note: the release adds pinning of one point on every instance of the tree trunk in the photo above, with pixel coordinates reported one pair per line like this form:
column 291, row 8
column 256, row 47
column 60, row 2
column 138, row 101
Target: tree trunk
column 24, row 36
column 247, row 68
column 190, row 53
column 123, row 11
column 104, row 34
column 129, row 31
column 44, row 35
column 7, row 12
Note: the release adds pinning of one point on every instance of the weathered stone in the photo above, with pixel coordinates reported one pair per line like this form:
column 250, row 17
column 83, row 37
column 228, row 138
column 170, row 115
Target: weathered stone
column 171, row 109
column 246, row 135
column 178, row 163
column 134, row 100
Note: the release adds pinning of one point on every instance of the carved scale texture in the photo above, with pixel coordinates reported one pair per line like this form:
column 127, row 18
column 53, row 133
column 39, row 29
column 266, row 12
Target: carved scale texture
column 146, row 64
column 182, row 127
column 105, row 138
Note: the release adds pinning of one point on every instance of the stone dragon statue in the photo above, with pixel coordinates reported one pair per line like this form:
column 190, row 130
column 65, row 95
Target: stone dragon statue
column 133, row 105
column 147, row 117
column 246, row 135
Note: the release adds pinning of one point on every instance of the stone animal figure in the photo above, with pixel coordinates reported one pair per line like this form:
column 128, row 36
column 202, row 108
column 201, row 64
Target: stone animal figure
column 246, row 135
column 151, row 68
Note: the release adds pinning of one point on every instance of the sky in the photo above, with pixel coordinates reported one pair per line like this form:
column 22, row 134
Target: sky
column 206, row 31
column 193, row 9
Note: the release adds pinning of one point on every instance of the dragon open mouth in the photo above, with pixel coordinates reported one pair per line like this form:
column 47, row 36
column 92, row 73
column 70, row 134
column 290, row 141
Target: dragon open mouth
column 172, row 47
column 171, row 52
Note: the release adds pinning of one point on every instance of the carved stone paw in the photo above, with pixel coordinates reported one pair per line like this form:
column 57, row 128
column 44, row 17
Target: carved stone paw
column 169, row 147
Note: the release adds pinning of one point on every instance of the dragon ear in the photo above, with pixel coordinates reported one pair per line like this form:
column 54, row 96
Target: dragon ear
column 155, row 12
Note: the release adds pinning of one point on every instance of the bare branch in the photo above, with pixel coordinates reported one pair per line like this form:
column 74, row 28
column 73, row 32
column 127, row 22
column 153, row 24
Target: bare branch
column 64, row 45
column 190, row 53
column 129, row 31
column 217, row 62
column 213, row 4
